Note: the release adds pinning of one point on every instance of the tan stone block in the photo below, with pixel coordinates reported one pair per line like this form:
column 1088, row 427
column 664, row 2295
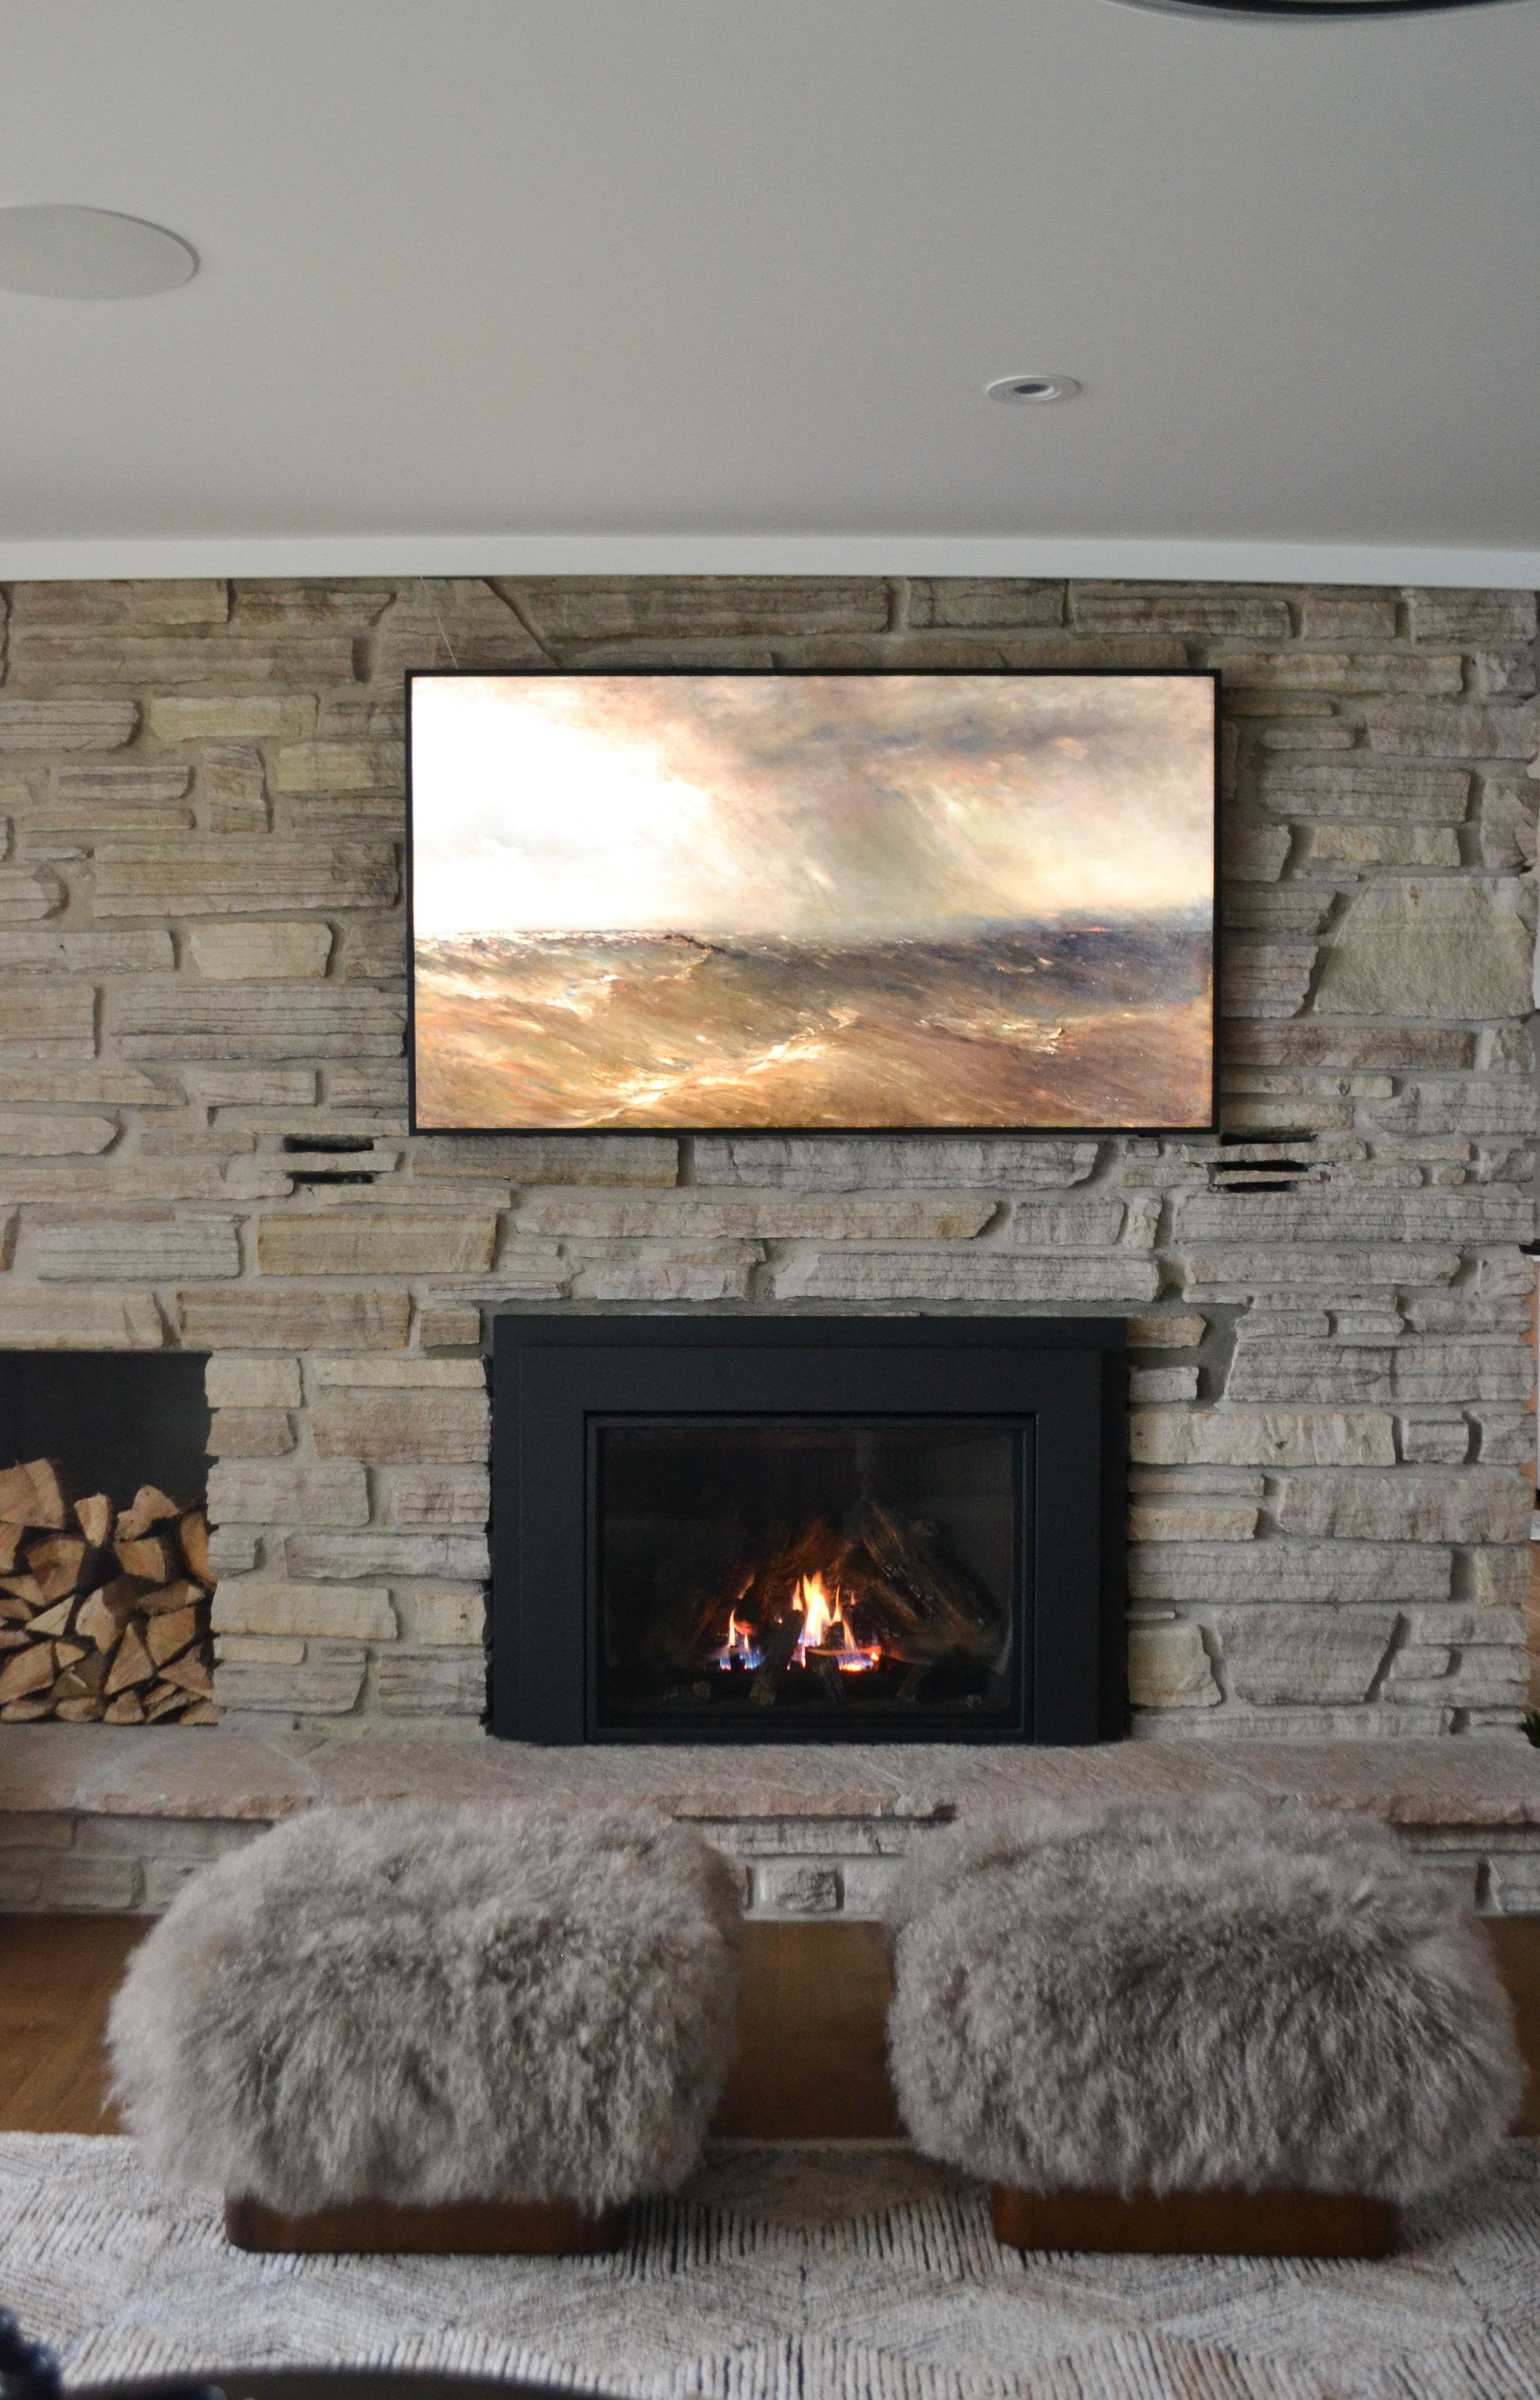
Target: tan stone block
column 450, row 1619
column 1466, row 617
column 1072, row 1225
column 80, row 659
column 575, row 1160
column 90, row 1248
column 1350, row 787
column 241, row 954
column 1149, row 1385
column 250, row 1433
column 256, row 1650
column 252, row 1087
column 1168, row 1666
column 482, row 630
column 58, row 833
column 991, row 600
column 1222, row 1437
column 1253, row 853
column 1418, row 729
column 1273, row 1656
column 267, row 718
column 248, row 1493
column 1166, row 1332
column 399, row 1374
column 404, row 1426
column 1298, row 1266
column 437, row 1684
column 83, row 1087
column 597, row 609
column 437, row 1495
column 708, row 1216
column 264, row 1605
column 53, row 1137
column 52, row 725
column 326, row 1686
column 345, row 766
column 183, row 1019
column 988, row 1277
column 1471, row 1505
column 275, row 601
column 49, row 1020
column 232, row 788
column 56, row 950
column 29, row 892
column 901, row 1163
column 1195, row 609
column 1192, row 1520
column 378, row 1086
column 251, row 1382
column 1315, row 1573
column 377, row 1242
column 133, row 600
column 1455, row 949
column 71, row 1320
column 251, row 1318
column 449, row 1328
column 1353, row 845
column 239, row 876
column 462, row 1558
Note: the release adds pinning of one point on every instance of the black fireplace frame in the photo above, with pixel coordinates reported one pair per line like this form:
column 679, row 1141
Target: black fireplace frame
column 553, row 1375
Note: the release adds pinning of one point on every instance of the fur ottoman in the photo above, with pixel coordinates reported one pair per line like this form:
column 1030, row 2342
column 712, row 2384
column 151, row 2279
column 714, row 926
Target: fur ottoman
column 1168, row 2022
column 405, row 2007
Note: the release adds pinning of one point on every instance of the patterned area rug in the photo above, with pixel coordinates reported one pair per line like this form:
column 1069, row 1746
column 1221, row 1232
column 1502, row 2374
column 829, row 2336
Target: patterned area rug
column 787, row 2272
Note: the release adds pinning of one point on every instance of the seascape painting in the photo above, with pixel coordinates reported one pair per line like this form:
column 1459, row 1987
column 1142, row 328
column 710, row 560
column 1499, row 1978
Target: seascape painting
column 728, row 902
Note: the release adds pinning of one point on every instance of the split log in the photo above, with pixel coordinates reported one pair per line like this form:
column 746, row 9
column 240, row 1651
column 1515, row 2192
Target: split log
column 49, row 1621
column 89, row 1711
column 191, row 1673
column 13, row 1637
column 23, row 1586
column 35, row 1494
column 25, row 1711
column 14, row 1611
column 147, row 1555
column 27, row 1671
column 58, row 1563
column 161, row 1702
column 10, row 1544
column 150, row 1507
column 131, row 1663
column 94, row 1518
column 127, row 1708
column 200, row 1713
column 101, row 1616
column 167, row 1635
column 167, row 1596
column 192, row 1532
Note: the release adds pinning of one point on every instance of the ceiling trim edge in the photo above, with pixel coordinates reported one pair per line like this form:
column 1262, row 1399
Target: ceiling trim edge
column 966, row 554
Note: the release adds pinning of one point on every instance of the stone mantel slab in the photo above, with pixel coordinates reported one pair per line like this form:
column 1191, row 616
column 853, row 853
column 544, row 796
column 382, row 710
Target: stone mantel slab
column 135, row 1771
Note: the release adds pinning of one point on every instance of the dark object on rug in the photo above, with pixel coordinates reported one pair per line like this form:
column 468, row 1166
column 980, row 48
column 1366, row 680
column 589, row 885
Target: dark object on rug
column 1113, row 1999
column 415, row 2004
column 326, row 2384
column 1198, row 2224
column 29, row 2370
column 487, row 2229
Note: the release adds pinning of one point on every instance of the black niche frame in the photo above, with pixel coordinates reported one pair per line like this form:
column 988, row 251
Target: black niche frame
column 555, row 1379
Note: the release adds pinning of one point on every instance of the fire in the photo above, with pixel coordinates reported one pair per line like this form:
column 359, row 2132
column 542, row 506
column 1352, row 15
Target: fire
column 739, row 1644
column 824, row 1629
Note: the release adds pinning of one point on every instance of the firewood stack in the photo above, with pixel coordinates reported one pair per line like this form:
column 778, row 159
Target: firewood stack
column 103, row 1614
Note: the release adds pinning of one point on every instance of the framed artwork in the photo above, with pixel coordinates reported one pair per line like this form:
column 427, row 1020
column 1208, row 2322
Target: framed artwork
column 808, row 902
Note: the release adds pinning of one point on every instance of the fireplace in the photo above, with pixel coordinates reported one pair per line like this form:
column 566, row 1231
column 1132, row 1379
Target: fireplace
column 801, row 1529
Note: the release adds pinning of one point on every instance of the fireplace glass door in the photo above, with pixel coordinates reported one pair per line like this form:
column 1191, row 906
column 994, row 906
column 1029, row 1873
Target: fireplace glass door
column 775, row 1572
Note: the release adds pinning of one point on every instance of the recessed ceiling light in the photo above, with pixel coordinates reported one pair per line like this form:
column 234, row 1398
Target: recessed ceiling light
column 1032, row 388
column 59, row 252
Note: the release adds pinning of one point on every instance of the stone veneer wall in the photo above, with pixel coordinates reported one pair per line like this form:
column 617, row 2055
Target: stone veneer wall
column 202, row 1131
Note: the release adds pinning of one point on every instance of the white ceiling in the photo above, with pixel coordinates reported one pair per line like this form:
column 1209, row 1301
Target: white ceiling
column 597, row 284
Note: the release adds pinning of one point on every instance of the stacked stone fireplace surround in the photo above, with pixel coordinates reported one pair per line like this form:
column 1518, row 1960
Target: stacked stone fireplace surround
column 204, row 1144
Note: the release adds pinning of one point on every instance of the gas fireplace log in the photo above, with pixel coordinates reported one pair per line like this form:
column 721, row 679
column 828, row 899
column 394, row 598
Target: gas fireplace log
column 35, row 1494
column 777, row 1641
column 942, row 1599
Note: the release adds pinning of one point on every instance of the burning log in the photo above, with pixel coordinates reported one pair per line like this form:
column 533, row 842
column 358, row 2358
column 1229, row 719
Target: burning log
column 108, row 1622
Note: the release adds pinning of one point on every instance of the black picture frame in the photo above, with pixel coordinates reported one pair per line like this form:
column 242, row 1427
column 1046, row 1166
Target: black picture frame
column 1209, row 1124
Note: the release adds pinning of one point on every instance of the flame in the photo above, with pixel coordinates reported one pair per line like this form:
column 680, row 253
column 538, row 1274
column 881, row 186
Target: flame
column 824, row 1629
column 739, row 1644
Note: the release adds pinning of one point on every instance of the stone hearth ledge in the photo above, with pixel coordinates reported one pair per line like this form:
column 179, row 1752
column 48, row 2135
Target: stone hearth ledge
column 106, row 1816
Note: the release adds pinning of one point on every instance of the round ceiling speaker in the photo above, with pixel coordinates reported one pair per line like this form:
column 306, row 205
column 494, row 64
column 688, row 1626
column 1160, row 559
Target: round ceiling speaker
column 1030, row 389
column 54, row 252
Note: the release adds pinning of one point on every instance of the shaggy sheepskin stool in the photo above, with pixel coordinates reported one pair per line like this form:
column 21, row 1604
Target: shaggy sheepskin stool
column 1134, row 2001
column 409, row 2004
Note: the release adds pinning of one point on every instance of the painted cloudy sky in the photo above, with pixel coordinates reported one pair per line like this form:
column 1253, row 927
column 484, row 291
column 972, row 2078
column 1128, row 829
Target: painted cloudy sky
column 812, row 806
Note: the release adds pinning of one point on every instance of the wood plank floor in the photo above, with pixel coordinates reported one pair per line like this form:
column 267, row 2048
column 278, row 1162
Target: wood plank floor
column 811, row 2058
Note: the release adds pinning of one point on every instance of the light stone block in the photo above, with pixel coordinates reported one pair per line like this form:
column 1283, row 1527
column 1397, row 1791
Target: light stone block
column 571, row 1159
column 245, row 1491
column 433, row 1684
column 337, row 1242
column 1277, row 1655
column 251, row 1318
column 1153, row 1383
column 986, row 1276
column 131, row 600
column 341, row 767
column 1453, row 949
column 248, row 952
column 1499, row 1579
column 450, row 1619
column 399, row 1374
column 328, row 1686
column 621, row 1271
column 1416, row 730
column 1279, row 1569
column 257, row 1650
column 1289, row 1266
column 1344, row 1375
column 1469, row 617
column 1364, row 1215
column 1254, row 853
column 1353, row 788
column 437, row 1495
column 230, row 1382
column 1508, row 820
column 259, row 1605
column 29, row 892
column 92, row 1249
column 1372, row 845
column 183, row 1019
column 481, row 629
column 230, row 875
column 1169, row 1667
column 252, row 1087
column 1437, row 1442
column 405, row 1427
column 1474, row 1505
column 1266, row 978
column 233, row 1549
column 906, row 1163
column 1192, row 1520
column 1222, row 1437
column 448, row 1328
column 1193, row 608
column 49, row 1020
column 55, row 1137
column 1072, row 1225
column 693, row 1215
column 459, row 1558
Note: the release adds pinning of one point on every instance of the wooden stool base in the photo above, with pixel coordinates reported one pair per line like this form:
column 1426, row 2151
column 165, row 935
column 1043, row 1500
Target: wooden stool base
column 1219, row 2224
column 533, row 2228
